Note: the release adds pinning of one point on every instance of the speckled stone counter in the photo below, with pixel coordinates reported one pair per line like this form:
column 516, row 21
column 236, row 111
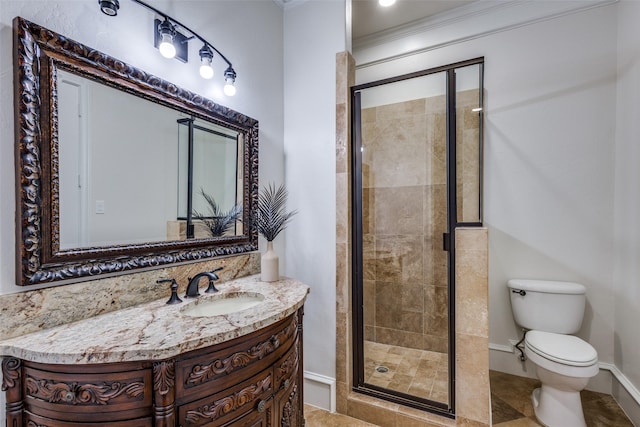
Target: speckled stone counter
column 155, row 330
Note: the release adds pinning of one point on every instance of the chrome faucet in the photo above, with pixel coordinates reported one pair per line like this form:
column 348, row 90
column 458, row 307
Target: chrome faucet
column 192, row 287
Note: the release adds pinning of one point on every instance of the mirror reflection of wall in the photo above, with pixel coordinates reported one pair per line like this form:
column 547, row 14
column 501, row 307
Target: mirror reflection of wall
column 117, row 165
column 120, row 170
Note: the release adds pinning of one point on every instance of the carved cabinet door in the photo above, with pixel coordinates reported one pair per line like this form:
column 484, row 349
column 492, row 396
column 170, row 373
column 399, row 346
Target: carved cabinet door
column 288, row 401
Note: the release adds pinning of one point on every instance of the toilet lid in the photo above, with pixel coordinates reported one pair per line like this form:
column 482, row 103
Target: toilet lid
column 565, row 349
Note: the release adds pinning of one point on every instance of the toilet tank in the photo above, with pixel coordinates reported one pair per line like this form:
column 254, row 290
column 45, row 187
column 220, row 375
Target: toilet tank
column 549, row 306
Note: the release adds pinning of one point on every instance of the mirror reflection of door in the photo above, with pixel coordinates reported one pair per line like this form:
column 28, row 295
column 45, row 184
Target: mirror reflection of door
column 72, row 161
column 123, row 149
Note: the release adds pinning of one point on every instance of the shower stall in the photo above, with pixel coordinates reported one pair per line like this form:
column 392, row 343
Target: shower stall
column 417, row 176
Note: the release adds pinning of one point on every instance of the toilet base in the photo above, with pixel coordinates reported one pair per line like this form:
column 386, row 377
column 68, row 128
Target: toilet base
column 558, row 408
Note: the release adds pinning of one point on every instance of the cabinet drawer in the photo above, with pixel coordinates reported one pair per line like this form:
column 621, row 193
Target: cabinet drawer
column 224, row 407
column 261, row 418
column 82, row 395
column 32, row 420
column 198, row 374
column 286, row 369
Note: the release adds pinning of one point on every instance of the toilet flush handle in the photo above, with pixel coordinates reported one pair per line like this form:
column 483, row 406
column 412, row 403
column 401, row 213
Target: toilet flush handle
column 519, row 291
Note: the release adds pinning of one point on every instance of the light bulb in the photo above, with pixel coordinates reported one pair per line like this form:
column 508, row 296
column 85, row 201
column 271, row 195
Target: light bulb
column 206, row 72
column 167, row 49
column 386, row 3
column 229, row 89
column 167, row 32
column 229, row 80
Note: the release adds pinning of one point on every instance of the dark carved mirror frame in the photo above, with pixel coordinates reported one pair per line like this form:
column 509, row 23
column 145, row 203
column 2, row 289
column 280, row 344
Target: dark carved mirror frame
column 38, row 53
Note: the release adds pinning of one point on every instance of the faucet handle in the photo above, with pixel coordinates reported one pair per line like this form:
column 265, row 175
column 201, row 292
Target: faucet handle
column 212, row 286
column 174, row 299
column 216, row 270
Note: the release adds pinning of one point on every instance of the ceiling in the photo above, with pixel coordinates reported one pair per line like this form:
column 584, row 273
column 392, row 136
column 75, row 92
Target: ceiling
column 369, row 18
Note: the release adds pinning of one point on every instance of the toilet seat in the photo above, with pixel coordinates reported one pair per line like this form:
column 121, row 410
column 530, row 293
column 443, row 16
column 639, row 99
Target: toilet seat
column 563, row 354
column 566, row 349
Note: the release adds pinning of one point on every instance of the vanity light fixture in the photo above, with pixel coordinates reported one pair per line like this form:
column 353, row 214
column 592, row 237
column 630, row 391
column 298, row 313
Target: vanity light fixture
column 172, row 43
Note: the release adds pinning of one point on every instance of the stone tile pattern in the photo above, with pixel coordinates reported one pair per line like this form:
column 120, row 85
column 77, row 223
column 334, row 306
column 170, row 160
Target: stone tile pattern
column 472, row 325
column 511, row 407
column 468, row 155
column 511, row 404
column 157, row 331
column 31, row 311
column 356, row 405
column 404, row 215
column 419, row 373
column 345, row 78
column 316, row 417
column 404, row 210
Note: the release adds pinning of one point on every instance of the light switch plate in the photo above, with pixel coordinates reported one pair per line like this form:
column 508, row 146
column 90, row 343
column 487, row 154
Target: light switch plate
column 99, row 206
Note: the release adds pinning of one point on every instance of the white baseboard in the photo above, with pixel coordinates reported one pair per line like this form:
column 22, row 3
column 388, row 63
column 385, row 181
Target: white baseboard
column 629, row 398
column 320, row 391
column 500, row 347
column 623, row 380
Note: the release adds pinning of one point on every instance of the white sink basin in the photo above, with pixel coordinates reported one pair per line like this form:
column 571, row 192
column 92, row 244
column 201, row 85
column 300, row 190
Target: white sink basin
column 219, row 305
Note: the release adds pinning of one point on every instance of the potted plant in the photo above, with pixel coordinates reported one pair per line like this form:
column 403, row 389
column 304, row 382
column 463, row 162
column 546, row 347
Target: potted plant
column 271, row 218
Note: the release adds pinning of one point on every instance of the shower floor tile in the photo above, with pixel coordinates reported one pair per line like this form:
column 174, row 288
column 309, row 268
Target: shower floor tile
column 417, row 372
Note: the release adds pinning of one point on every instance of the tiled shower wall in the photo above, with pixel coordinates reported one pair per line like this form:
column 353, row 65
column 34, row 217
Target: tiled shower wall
column 404, row 198
column 404, row 210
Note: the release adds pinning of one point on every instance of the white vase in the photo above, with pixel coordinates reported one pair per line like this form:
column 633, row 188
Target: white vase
column 269, row 265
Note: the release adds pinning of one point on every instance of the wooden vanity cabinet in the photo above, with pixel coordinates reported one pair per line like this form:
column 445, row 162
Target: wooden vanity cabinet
column 254, row 380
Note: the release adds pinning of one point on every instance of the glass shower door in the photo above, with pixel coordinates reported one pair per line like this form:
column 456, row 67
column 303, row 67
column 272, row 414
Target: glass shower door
column 407, row 195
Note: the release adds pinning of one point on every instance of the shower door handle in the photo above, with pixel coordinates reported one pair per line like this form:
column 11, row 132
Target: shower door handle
column 446, row 242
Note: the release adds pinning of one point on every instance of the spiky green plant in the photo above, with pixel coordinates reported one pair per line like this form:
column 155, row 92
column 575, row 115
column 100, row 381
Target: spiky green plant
column 218, row 222
column 271, row 217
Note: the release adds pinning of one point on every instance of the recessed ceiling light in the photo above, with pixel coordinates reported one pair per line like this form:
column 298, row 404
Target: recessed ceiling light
column 386, row 3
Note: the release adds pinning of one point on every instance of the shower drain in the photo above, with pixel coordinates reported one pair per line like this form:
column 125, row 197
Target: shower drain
column 382, row 369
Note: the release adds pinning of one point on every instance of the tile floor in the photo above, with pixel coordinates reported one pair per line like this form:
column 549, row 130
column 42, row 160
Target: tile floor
column 315, row 417
column 416, row 372
column 511, row 404
column 510, row 407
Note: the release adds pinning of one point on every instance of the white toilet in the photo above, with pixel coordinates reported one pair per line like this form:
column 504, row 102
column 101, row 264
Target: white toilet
column 549, row 311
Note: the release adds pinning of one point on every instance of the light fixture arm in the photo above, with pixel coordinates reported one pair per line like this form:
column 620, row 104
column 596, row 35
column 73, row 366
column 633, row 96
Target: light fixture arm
column 184, row 27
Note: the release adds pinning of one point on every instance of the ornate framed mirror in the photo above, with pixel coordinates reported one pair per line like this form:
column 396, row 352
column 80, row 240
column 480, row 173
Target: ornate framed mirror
column 100, row 164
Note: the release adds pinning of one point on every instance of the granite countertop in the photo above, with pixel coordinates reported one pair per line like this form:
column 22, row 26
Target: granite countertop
column 157, row 331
